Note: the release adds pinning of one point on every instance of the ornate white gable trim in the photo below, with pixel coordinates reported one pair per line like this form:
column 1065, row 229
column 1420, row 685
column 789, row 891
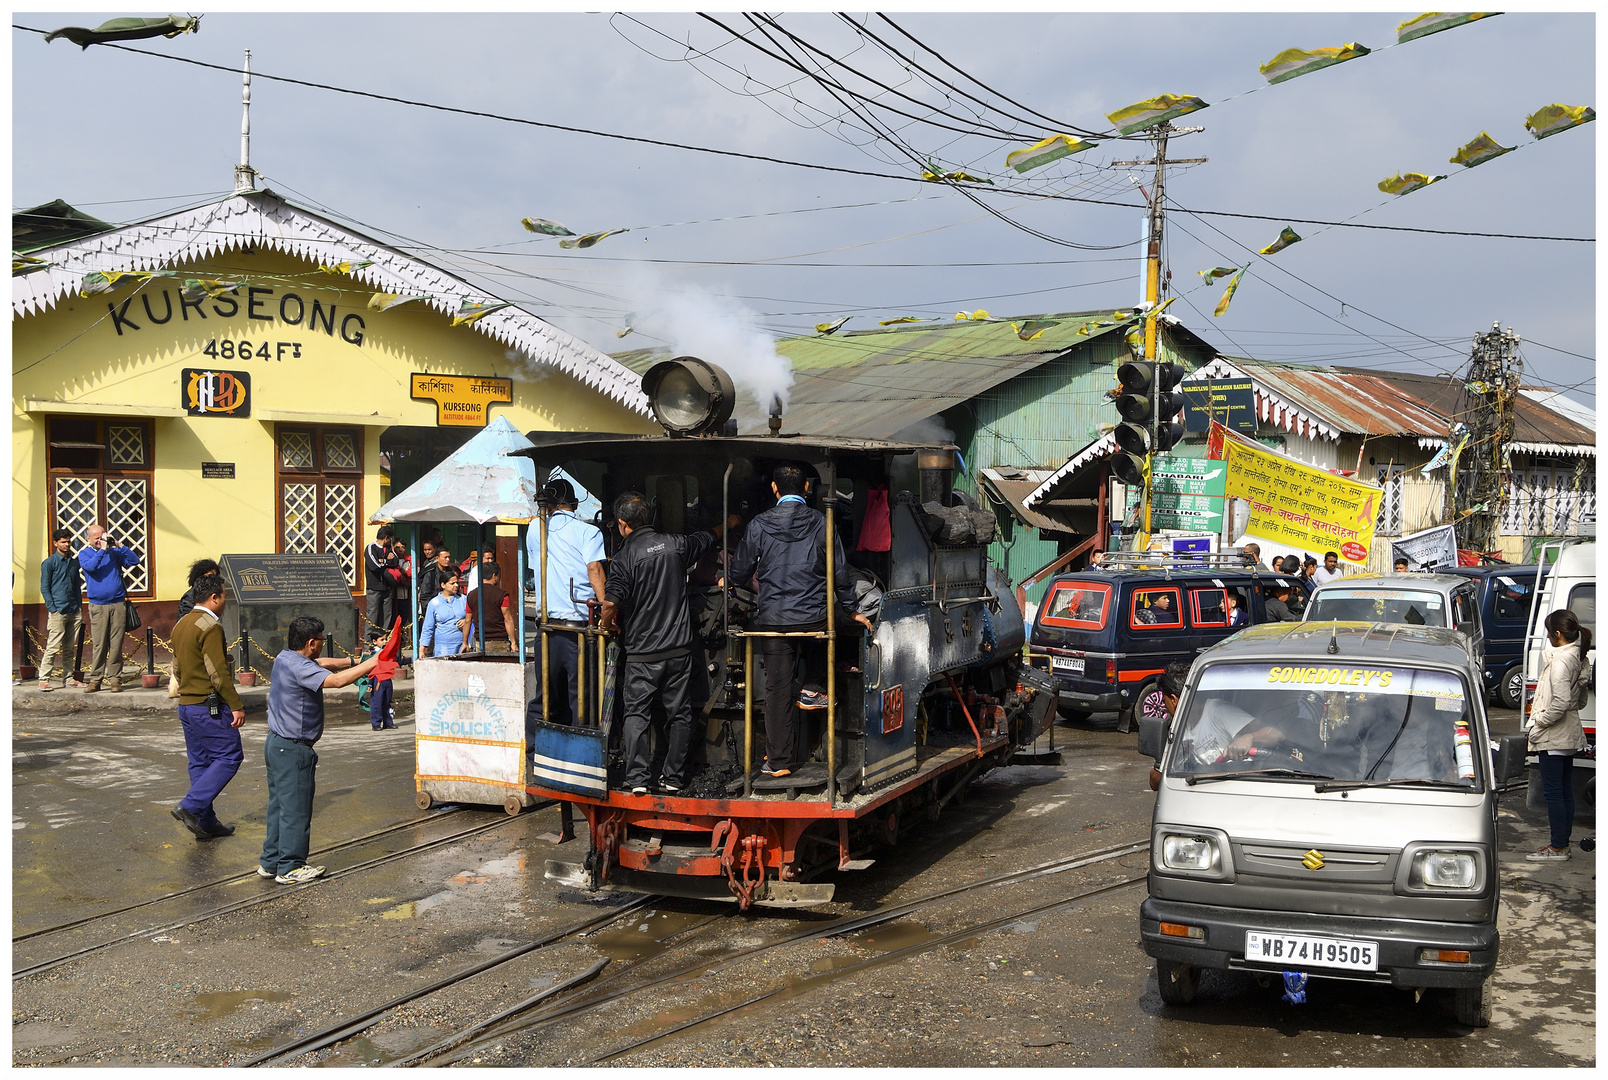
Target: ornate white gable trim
column 263, row 219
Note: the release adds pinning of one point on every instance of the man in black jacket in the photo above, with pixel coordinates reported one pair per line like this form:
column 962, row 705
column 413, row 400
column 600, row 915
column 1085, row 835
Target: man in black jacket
column 647, row 590
column 786, row 548
column 378, row 559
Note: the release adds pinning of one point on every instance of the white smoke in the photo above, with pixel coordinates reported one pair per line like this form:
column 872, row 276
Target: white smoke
column 723, row 332
column 931, row 430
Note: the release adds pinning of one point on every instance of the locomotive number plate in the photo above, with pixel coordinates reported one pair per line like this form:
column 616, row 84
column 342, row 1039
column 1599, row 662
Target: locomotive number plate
column 892, row 709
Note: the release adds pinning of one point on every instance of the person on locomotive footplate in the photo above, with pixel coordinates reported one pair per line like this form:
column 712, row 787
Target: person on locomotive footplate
column 785, row 548
column 647, row 591
column 574, row 557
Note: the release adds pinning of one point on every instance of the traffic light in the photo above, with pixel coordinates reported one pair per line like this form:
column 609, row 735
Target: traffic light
column 1168, row 405
column 1133, row 396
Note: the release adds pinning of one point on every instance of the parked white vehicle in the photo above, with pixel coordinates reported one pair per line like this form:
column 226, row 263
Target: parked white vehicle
column 1571, row 583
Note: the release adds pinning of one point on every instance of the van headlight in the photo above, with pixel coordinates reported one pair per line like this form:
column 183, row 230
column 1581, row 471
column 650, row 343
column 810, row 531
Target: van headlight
column 1195, row 852
column 1438, row 869
column 1443, row 870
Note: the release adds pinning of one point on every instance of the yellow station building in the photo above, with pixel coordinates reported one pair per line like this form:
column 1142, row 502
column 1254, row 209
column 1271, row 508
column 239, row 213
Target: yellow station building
column 229, row 379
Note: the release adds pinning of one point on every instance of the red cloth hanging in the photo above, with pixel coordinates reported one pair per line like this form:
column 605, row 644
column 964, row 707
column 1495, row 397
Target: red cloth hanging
column 876, row 532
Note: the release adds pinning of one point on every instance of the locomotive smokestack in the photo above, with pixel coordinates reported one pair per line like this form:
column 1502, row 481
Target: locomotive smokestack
column 776, row 416
column 936, row 469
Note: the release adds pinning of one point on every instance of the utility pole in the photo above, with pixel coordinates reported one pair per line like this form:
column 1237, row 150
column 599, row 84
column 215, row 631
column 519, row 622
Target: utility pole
column 1156, row 285
column 1477, row 472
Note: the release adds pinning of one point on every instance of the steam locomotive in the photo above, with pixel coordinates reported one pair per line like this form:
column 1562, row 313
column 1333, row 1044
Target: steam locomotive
column 935, row 697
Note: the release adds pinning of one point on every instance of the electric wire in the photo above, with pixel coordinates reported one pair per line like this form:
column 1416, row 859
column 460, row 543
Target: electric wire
column 393, row 99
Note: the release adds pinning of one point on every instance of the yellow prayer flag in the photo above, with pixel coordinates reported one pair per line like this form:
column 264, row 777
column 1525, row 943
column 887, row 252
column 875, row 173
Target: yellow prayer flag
column 1556, row 118
column 1479, row 151
column 1156, row 110
column 832, row 327
column 1407, row 183
column 1286, row 238
column 1228, row 295
column 1294, row 62
column 589, row 239
column 1045, row 151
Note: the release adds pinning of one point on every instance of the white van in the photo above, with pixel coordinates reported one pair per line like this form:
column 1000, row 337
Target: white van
column 1571, row 582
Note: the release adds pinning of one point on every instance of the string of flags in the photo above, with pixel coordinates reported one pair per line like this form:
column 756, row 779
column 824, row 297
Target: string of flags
column 547, row 227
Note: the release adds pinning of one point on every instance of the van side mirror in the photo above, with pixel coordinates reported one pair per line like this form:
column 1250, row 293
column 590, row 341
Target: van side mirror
column 1507, row 761
column 1152, row 735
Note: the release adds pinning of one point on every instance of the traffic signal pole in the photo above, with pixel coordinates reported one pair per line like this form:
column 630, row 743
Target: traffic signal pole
column 1155, row 285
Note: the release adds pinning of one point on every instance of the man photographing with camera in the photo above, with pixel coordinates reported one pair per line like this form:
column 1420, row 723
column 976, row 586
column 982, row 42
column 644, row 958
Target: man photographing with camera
column 103, row 561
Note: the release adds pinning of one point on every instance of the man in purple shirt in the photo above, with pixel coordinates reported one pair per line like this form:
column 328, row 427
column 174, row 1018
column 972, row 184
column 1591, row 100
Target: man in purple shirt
column 102, row 562
column 295, row 721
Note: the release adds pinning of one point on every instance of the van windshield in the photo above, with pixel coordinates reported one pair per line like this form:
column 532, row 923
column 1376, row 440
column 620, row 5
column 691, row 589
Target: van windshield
column 1327, row 722
column 1411, row 606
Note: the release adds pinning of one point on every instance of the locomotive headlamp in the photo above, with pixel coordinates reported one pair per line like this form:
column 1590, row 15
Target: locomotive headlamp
column 689, row 396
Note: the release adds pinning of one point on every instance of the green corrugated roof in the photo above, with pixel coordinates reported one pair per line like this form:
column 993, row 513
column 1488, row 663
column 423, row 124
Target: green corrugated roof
column 874, row 383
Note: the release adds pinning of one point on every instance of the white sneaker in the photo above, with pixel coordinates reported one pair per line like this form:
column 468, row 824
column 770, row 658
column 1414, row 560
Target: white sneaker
column 1548, row 854
column 301, row 875
column 264, row 873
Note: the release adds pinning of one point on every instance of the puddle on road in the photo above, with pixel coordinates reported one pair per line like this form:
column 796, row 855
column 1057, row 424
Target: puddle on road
column 379, row 1049
column 643, row 937
column 832, row 963
column 415, row 908
column 891, row 937
column 216, row 1006
column 508, row 866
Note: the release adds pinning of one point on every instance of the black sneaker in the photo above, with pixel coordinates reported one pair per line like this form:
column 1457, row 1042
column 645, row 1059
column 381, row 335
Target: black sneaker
column 191, row 822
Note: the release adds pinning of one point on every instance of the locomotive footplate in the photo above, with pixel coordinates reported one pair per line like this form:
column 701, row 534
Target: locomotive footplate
column 775, row 894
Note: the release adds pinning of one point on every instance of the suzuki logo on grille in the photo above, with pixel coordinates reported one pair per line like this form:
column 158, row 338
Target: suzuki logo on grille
column 1313, row 860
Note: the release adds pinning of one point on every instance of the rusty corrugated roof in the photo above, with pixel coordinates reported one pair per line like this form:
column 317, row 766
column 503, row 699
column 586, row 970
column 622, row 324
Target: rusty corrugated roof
column 1535, row 423
column 1350, row 401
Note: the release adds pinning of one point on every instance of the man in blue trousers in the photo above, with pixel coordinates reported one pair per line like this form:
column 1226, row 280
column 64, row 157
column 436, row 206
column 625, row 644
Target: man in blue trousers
column 210, row 710
column 295, row 722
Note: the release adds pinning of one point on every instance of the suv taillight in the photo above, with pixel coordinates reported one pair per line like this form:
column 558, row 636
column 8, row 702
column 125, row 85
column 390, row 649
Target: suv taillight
column 1111, row 671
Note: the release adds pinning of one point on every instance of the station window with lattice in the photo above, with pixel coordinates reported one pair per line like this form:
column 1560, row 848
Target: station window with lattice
column 320, row 491
column 100, row 473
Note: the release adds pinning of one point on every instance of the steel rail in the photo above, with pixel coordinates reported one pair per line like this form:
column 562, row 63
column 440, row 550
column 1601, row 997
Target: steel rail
column 46, row 965
column 228, row 880
column 353, row 1024
column 830, row 929
column 886, row 958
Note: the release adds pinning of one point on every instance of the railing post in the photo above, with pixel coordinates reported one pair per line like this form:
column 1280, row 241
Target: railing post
column 22, row 652
column 748, row 717
column 150, row 650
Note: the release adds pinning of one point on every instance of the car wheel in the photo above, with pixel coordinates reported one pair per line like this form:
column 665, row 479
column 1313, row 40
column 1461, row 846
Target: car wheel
column 1176, row 982
column 1150, row 701
column 1471, row 1005
column 1511, row 686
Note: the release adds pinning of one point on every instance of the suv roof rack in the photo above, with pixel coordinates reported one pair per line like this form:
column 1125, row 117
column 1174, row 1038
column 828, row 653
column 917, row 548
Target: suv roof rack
column 1168, row 561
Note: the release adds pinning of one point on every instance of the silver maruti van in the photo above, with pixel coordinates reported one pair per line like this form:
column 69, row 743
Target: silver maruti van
column 1414, row 599
column 1327, row 808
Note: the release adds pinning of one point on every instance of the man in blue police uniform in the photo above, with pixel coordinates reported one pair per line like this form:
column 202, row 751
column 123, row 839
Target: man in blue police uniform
column 574, row 558
column 295, row 722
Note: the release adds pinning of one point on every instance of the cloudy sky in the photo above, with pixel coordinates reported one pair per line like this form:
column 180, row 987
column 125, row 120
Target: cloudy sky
column 125, row 136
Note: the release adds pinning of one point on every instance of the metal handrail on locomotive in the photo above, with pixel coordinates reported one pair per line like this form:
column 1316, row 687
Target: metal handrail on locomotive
column 933, row 698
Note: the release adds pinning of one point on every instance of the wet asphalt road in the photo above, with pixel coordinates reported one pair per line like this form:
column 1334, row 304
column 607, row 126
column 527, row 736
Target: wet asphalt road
column 1069, row 986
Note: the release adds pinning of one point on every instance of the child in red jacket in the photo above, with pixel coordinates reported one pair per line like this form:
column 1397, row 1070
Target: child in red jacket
column 380, row 714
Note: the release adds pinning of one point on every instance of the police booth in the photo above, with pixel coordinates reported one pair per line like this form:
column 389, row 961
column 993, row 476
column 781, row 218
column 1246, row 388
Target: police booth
column 470, row 706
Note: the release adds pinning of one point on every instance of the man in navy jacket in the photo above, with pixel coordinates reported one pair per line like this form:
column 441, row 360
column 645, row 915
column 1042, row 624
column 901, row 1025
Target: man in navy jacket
column 102, row 562
column 785, row 548
column 62, row 583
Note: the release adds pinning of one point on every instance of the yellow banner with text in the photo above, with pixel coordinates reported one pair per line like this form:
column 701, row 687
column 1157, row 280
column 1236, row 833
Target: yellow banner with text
column 1298, row 504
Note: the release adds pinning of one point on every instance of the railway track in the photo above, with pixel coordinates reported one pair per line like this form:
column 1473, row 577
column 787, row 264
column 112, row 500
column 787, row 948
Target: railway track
column 251, row 901
column 343, row 845
column 587, row 996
